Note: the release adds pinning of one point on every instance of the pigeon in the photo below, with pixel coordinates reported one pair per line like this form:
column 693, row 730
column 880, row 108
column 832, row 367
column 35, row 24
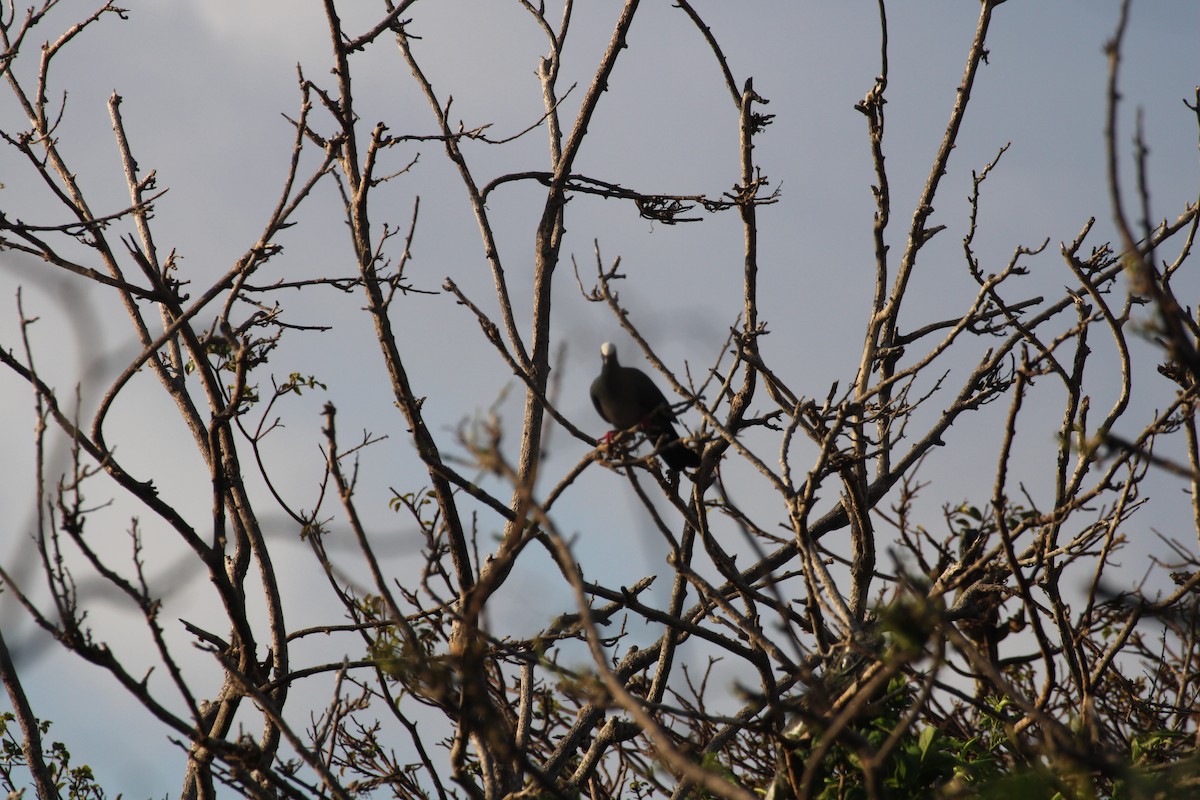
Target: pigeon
column 626, row 397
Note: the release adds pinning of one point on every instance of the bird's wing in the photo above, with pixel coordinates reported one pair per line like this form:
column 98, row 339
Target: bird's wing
column 598, row 392
column 651, row 402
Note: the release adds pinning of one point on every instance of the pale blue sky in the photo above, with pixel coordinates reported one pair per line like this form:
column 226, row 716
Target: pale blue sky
column 205, row 83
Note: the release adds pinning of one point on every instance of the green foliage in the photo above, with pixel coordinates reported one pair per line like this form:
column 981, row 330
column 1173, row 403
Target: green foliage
column 910, row 622
column 297, row 383
column 72, row 782
column 932, row 761
column 924, row 761
column 409, row 655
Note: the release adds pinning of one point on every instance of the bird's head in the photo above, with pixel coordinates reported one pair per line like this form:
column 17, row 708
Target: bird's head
column 608, row 352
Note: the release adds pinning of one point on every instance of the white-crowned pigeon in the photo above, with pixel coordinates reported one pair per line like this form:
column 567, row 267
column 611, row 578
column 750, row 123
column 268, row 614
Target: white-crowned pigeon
column 626, row 396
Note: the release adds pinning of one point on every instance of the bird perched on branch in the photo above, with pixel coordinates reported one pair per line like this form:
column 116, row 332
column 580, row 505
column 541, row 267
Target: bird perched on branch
column 626, row 397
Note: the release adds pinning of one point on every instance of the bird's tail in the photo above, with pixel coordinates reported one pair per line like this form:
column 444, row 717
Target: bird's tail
column 673, row 451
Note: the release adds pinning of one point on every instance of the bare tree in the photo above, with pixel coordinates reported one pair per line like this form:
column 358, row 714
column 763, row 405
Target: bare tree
column 884, row 656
